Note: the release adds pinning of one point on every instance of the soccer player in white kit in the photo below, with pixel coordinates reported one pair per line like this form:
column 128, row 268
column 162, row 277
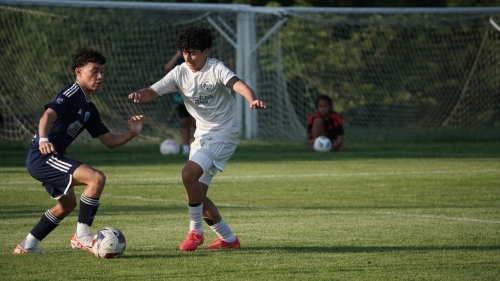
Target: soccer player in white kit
column 205, row 85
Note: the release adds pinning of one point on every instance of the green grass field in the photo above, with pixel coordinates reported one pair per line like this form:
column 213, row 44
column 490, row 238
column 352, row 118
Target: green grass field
column 377, row 212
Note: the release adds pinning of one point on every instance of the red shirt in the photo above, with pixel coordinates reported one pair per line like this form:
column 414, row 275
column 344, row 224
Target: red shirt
column 333, row 124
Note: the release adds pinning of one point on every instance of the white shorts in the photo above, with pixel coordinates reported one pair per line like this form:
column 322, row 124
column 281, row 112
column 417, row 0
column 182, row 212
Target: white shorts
column 218, row 150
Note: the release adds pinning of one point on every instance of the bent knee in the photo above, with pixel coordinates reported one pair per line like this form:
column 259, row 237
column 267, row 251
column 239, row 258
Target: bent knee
column 318, row 122
column 187, row 174
column 99, row 178
column 95, row 179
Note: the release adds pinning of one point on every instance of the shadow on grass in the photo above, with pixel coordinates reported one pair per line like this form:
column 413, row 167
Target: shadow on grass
column 371, row 249
column 162, row 253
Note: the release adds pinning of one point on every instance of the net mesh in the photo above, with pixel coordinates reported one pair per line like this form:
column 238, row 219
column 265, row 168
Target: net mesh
column 384, row 71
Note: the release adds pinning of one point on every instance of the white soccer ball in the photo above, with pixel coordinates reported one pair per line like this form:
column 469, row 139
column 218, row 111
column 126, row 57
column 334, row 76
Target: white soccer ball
column 108, row 243
column 169, row 147
column 322, row 144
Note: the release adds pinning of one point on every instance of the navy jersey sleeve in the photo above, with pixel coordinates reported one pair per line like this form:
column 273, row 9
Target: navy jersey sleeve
column 62, row 101
column 94, row 125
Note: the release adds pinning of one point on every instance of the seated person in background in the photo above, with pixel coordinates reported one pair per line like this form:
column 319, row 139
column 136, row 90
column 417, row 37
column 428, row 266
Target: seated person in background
column 325, row 122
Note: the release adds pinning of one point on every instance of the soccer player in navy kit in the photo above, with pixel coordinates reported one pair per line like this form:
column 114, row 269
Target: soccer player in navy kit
column 66, row 116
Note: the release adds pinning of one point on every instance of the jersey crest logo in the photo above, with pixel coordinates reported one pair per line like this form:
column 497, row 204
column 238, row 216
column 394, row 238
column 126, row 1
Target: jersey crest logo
column 87, row 115
column 207, row 85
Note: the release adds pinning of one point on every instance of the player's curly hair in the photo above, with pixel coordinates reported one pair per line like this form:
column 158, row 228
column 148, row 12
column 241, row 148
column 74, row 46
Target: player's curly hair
column 194, row 38
column 84, row 56
column 325, row 98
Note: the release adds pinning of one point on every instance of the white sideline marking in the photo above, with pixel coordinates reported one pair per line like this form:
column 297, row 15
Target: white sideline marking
column 302, row 210
column 435, row 217
column 272, row 207
column 222, row 177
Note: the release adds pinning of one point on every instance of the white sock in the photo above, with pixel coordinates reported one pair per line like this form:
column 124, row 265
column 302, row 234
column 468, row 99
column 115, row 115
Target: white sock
column 185, row 149
column 29, row 242
column 82, row 230
column 223, row 231
column 195, row 220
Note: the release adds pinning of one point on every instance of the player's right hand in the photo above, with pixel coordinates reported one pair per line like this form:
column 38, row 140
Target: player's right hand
column 136, row 97
column 46, row 147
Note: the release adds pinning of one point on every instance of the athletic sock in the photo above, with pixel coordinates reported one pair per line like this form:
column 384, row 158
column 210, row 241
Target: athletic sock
column 29, row 242
column 82, row 230
column 195, row 220
column 45, row 225
column 88, row 209
column 223, row 231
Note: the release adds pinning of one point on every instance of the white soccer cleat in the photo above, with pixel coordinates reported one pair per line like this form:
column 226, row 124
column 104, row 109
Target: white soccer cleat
column 19, row 250
column 84, row 243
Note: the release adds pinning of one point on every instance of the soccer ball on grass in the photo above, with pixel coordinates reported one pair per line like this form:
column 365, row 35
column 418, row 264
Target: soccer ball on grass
column 108, row 243
column 322, row 144
column 169, row 147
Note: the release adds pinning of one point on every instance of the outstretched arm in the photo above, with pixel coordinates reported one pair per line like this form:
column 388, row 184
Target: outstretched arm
column 243, row 89
column 134, row 125
column 143, row 95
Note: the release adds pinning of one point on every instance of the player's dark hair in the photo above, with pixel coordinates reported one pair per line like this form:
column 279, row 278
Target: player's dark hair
column 194, row 38
column 84, row 56
column 325, row 98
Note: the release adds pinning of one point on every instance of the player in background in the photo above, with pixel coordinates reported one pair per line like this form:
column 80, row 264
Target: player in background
column 187, row 121
column 66, row 116
column 325, row 122
column 205, row 85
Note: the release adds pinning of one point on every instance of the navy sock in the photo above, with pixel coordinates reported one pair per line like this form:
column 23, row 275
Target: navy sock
column 47, row 223
column 88, row 209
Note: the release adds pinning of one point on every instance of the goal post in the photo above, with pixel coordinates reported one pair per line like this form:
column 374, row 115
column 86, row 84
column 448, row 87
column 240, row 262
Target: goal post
column 399, row 71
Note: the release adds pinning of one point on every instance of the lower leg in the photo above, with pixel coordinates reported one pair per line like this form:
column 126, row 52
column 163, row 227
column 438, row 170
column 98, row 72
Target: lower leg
column 318, row 128
column 89, row 200
column 47, row 223
column 195, row 195
column 214, row 220
column 50, row 220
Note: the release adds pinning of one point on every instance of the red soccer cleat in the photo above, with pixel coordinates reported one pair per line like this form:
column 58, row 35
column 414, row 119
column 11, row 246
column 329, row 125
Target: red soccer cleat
column 193, row 240
column 221, row 244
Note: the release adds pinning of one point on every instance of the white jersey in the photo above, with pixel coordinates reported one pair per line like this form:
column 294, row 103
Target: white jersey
column 206, row 97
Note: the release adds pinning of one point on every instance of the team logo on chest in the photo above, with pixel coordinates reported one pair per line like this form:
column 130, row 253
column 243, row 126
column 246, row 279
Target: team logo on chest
column 207, row 85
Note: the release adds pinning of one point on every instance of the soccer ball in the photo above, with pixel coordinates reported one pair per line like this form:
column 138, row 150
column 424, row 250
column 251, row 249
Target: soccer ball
column 322, row 144
column 108, row 243
column 169, row 147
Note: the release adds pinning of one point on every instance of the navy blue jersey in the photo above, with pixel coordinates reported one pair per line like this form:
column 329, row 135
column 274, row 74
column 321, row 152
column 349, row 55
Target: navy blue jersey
column 74, row 114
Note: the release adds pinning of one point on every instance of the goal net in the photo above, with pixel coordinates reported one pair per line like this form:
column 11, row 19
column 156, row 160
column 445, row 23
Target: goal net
column 399, row 71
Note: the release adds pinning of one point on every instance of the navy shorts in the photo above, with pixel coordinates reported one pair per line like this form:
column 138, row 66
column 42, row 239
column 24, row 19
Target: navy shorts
column 54, row 171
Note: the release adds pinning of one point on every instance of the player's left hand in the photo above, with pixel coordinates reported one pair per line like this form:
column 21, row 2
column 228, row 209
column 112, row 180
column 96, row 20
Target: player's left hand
column 135, row 123
column 258, row 104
